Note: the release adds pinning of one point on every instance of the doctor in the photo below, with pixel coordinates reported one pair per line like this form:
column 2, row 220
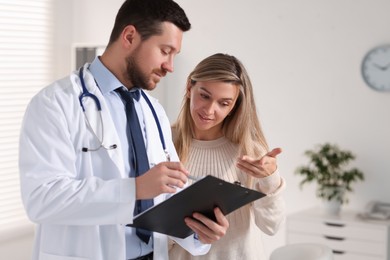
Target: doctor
column 75, row 157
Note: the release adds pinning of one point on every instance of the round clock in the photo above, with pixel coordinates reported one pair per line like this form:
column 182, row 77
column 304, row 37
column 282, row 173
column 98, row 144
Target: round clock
column 376, row 68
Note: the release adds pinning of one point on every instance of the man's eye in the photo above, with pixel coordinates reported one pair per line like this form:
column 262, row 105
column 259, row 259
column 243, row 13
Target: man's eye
column 165, row 52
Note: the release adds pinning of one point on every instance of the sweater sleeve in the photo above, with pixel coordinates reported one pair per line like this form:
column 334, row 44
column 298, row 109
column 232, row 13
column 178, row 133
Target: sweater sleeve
column 270, row 210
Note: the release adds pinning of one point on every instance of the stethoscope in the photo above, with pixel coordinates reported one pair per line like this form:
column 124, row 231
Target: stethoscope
column 87, row 94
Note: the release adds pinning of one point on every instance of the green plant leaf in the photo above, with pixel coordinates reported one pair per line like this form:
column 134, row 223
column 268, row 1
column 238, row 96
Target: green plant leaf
column 327, row 166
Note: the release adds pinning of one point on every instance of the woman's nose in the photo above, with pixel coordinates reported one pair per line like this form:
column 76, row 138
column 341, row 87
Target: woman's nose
column 209, row 108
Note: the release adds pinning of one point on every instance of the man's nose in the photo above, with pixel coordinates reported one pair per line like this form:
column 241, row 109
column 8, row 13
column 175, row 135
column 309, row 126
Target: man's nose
column 168, row 65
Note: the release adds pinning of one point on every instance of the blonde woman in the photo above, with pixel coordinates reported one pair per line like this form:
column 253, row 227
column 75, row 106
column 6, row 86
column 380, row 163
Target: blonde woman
column 218, row 133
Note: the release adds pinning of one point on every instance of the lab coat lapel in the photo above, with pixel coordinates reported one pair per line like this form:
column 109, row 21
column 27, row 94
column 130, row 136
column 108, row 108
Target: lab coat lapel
column 154, row 147
column 106, row 122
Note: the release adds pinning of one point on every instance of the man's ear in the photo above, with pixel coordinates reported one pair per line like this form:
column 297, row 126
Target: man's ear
column 128, row 35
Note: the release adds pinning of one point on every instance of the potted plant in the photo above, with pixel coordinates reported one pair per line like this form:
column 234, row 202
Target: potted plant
column 328, row 168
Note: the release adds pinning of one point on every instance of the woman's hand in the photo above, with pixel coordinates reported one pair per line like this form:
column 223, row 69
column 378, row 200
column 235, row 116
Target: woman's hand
column 261, row 167
column 208, row 231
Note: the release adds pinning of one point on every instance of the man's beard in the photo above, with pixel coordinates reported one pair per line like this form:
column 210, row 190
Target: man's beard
column 135, row 75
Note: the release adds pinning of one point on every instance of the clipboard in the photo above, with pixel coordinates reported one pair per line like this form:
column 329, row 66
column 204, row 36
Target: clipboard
column 202, row 196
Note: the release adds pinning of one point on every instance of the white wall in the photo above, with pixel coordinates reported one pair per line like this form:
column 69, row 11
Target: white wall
column 304, row 59
column 19, row 248
column 17, row 244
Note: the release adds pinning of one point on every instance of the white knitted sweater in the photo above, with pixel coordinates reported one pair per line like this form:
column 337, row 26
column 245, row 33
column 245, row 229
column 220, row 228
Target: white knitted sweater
column 243, row 239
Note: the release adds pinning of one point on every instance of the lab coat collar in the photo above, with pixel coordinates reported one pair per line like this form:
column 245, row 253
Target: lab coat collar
column 105, row 80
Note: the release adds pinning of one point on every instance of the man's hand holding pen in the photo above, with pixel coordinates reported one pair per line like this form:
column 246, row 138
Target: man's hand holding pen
column 164, row 177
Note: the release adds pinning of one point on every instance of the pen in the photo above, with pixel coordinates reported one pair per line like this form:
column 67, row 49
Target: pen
column 192, row 178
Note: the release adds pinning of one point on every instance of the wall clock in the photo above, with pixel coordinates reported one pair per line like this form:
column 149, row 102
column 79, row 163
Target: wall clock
column 376, row 68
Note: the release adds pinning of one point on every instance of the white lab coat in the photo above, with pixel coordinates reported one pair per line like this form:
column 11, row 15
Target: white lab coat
column 81, row 201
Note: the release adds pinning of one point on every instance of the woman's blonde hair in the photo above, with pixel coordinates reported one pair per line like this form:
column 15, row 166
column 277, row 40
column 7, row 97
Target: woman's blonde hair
column 241, row 126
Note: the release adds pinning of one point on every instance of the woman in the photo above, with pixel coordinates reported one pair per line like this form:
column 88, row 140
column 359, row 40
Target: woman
column 218, row 133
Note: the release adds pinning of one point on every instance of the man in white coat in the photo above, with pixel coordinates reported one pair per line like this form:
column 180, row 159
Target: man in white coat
column 75, row 157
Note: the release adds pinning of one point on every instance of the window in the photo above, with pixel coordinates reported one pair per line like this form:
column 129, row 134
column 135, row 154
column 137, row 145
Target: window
column 82, row 53
column 25, row 67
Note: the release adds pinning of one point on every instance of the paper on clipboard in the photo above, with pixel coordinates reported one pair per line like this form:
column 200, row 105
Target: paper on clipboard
column 203, row 196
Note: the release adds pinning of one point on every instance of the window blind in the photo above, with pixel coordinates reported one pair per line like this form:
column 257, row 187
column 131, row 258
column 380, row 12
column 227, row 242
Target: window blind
column 26, row 49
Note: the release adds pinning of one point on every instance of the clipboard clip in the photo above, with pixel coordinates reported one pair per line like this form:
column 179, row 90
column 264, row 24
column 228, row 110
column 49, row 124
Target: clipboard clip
column 195, row 179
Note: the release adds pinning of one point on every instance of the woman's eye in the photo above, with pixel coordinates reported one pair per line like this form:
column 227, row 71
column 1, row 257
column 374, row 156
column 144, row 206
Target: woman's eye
column 204, row 96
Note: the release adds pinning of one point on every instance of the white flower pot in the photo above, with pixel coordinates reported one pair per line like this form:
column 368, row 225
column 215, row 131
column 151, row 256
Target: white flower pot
column 332, row 207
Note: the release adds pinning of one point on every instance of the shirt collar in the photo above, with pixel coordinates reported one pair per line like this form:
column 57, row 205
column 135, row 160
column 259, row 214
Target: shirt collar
column 105, row 80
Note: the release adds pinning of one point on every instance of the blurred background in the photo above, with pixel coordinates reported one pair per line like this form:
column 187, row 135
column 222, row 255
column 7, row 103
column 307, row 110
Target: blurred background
column 304, row 58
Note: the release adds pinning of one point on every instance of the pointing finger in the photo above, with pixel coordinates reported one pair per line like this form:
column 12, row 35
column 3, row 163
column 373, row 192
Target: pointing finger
column 274, row 152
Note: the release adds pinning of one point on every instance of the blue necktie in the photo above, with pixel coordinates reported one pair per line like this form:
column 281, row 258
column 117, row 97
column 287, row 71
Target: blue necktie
column 139, row 157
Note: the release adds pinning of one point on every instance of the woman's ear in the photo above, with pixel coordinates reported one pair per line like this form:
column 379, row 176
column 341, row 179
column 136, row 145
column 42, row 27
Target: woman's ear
column 188, row 91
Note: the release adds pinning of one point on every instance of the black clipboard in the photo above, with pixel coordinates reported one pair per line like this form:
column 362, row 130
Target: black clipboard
column 202, row 196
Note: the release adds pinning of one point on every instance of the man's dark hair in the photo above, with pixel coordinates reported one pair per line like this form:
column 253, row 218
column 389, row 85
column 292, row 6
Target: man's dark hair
column 147, row 15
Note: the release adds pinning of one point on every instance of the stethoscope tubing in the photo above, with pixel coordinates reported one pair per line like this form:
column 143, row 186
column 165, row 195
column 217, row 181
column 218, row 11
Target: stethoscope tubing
column 85, row 93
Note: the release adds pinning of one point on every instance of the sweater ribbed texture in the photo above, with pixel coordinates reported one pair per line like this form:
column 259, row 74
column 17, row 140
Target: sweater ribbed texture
column 216, row 157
